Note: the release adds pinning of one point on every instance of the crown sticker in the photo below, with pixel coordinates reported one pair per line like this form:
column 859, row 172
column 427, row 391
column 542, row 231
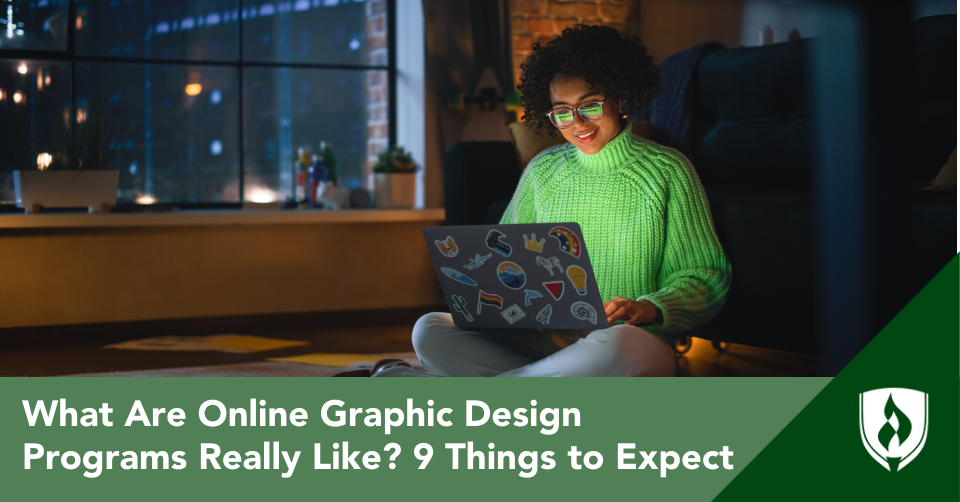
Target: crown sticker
column 532, row 243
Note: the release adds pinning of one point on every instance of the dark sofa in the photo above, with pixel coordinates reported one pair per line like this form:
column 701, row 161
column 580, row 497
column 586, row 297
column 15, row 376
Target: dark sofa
column 750, row 142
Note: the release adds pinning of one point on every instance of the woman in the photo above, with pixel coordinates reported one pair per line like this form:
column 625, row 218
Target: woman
column 645, row 219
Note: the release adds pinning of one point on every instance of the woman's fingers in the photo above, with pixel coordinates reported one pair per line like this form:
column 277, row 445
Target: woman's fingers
column 611, row 306
column 617, row 314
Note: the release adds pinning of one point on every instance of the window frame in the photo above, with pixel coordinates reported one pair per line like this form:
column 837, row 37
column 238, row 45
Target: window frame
column 70, row 56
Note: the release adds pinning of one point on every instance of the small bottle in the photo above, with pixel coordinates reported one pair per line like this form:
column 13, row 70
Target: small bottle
column 302, row 164
column 330, row 161
column 318, row 178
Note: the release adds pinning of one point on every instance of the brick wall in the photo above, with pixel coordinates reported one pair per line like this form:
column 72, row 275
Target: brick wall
column 378, row 133
column 533, row 20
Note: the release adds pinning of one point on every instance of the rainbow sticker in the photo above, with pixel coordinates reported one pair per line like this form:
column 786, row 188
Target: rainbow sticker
column 489, row 299
column 569, row 242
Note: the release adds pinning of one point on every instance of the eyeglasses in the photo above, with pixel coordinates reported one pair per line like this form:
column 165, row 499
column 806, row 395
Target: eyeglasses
column 590, row 111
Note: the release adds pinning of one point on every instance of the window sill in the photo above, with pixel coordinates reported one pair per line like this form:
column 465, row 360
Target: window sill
column 201, row 218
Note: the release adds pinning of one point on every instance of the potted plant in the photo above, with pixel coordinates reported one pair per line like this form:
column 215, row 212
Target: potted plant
column 395, row 179
column 76, row 174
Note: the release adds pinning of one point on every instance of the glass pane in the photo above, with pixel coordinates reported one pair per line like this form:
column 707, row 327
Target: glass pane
column 167, row 29
column 174, row 127
column 286, row 109
column 316, row 31
column 34, row 24
column 34, row 108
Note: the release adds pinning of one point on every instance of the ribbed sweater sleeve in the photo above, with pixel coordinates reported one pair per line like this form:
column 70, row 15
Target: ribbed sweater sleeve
column 695, row 275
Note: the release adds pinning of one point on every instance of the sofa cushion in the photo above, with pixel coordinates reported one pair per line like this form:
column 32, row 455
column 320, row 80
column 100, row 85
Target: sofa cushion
column 755, row 119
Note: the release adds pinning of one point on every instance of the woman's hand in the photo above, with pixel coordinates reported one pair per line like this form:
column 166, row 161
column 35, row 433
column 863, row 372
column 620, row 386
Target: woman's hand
column 631, row 311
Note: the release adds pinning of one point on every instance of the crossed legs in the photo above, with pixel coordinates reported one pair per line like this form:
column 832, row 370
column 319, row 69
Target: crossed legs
column 619, row 350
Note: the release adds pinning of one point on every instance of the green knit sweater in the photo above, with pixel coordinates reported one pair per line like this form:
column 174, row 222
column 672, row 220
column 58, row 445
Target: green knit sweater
column 645, row 220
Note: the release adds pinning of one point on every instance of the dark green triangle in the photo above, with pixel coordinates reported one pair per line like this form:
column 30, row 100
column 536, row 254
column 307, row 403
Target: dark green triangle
column 820, row 456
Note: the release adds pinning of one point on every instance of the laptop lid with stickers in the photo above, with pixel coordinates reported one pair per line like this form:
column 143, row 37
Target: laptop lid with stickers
column 532, row 275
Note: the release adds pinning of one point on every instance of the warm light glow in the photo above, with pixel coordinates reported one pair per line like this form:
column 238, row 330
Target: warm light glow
column 81, row 115
column 79, row 22
column 22, row 69
column 3, row 94
column 44, row 160
column 17, row 97
column 193, row 89
column 146, row 199
column 260, row 195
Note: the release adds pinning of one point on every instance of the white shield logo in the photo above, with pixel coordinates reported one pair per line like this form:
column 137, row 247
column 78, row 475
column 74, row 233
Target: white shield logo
column 893, row 425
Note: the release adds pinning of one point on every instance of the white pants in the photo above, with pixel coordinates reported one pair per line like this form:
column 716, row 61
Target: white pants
column 619, row 350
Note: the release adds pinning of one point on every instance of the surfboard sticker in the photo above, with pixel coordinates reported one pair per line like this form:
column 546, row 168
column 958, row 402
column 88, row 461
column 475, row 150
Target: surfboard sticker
column 457, row 276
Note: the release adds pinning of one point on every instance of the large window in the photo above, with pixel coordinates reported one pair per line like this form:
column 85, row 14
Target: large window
column 203, row 102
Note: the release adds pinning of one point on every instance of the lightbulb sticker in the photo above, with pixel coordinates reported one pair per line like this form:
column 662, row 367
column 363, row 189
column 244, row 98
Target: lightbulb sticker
column 578, row 277
column 893, row 425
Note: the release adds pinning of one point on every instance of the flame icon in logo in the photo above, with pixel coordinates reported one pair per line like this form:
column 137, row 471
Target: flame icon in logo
column 897, row 428
column 893, row 425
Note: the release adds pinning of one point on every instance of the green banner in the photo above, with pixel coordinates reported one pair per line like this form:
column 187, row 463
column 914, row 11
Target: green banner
column 339, row 437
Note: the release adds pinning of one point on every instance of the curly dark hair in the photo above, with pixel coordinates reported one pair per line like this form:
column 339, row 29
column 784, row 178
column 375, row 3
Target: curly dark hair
column 605, row 58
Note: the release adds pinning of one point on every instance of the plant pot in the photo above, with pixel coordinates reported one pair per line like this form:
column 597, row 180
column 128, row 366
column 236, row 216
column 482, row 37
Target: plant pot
column 395, row 190
column 95, row 190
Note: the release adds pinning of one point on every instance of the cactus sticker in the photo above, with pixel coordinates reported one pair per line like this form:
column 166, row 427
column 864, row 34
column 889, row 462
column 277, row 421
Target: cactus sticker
column 460, row 305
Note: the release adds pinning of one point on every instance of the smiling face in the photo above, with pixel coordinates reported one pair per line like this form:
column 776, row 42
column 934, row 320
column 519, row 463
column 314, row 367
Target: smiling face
column 589, row 137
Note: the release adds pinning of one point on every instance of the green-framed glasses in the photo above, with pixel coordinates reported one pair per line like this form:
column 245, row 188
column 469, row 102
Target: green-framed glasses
column 590, row 111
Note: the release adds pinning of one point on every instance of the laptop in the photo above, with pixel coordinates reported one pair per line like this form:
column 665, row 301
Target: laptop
column 531, row 275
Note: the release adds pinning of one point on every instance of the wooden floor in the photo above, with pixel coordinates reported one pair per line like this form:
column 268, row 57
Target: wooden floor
column 740, row 360
column 40, row 356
